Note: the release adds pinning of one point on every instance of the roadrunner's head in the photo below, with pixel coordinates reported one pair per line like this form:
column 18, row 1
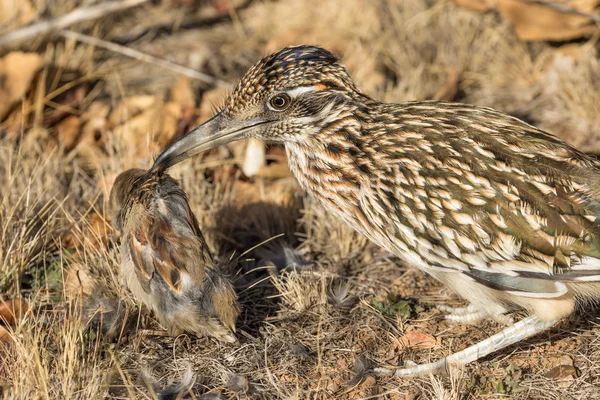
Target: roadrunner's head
column 284, row 97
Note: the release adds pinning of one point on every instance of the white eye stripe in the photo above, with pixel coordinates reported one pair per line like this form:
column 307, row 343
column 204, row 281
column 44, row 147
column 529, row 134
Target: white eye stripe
column 295, row 92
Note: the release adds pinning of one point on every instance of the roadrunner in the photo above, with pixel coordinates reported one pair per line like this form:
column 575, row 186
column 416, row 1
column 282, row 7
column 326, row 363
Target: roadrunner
column 501, row 212
column 164, row 259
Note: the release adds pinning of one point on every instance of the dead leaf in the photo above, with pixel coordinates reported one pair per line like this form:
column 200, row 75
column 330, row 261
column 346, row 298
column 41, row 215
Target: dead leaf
column 475, row 5
column 93, row 133
column 138, row 135
column 274, row 171
column 415, row 340
column 210, row 100
column 17, row 70
column 77, row 282
column 562, row 372
column 5, row 335
column 105, row 183
column 131, row 107
column 182, row 93
column 170, row 114
column 223, row 6
column 94, row 234
column 284, row 192
column 68, row 132
column 11, row 311
column 15, row 13
column 536, row 22
column 17, row 119
column 448, row 91
column 95, row 118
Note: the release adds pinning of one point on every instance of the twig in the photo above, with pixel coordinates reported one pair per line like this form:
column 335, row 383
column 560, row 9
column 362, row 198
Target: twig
column 565, row 9
column 138, row 55
column 79, row 15
column 168, row 28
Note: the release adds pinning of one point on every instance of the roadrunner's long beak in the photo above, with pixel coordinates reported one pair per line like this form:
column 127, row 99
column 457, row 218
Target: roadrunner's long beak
column 213, row 133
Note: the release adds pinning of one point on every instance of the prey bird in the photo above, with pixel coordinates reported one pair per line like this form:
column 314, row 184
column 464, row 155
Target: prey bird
column 165, row 261
column 501, row 212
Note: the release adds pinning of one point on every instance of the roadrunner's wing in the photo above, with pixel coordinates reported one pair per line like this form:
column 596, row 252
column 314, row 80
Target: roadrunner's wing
column 502, row 202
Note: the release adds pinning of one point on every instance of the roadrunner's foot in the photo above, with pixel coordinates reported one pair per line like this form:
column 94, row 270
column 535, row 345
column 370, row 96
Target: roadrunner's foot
column 472, row 314
column 523, row 329
column 467, row 314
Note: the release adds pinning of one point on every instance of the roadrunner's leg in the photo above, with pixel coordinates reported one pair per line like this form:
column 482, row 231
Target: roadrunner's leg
column 522, row 330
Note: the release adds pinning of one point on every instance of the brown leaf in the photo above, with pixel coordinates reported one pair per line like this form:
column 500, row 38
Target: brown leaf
column 537, row 22
column 562, row 372
column 68, row 132
column 94, row 233
column 95, row 119
column 11, row 311
column 223, row 6
column 182, row 93
column 541, row 22
column 138, row 136
column 415, row 340
column 475, row 5
column 105, row 183
column 5, row 335
column 92, row 136
column 132, row 106
column 17, row 70
column 16, row 120
column 284, row 192
column 77, row 282
column 210, row 100
column 15, row 13
column 274, row 171
column 170, row 114
column 448, row 91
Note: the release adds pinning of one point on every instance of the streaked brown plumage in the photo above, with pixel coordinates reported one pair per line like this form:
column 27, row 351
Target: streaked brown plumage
column 500, row 211
column 164, row 259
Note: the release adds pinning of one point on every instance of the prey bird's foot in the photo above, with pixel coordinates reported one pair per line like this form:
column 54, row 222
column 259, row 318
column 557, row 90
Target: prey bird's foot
column 523, row 329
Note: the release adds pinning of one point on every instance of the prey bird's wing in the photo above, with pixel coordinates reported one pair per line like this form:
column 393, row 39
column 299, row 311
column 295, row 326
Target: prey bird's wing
column 514, row 211
column 169, row 243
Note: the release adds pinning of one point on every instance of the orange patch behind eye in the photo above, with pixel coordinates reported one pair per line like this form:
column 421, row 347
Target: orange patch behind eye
column 320, row 86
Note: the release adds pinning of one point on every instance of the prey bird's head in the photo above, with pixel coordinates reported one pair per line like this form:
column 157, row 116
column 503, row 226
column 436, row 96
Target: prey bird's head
column 282, row 98
column 121, row 195
column 133, row 186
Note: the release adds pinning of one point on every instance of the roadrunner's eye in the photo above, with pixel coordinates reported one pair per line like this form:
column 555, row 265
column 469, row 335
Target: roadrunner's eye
column 279, row 102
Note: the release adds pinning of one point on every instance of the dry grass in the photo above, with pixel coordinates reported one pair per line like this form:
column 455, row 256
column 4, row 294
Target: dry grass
column 314, row 293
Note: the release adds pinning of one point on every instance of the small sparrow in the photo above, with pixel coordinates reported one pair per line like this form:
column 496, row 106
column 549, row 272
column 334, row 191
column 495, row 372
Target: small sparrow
column 165, row 261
